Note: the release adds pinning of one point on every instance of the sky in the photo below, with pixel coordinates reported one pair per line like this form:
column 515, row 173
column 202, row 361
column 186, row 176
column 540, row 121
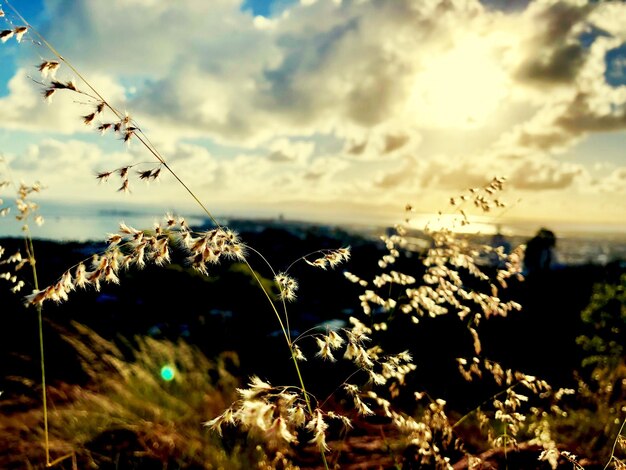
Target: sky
column 335, row 110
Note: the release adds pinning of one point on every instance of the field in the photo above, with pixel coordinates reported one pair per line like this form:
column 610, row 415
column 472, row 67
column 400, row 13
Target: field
column 110, row 406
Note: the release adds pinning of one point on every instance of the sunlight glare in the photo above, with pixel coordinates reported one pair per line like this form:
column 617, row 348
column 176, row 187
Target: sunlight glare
column 453, row 222
column 460, row 88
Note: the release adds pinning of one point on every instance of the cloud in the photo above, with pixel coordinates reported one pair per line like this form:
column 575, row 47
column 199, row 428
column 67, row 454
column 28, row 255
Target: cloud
column 324, row 168
column 194, row 164
column 321, row 67
column 24, row 107
column 405, row 175
column 67, row 168
column 554, row 54
column 615, row 182
column 356, row 100
column 148, row 38
column 526, row 171
column 588, row 104
column 610, row 18
column 395, row 142
column 464, row 173
column 588, row 114
column 54, row 157
column 209, row 69
column 381, row 144
column 286, row 150
column 545, row 174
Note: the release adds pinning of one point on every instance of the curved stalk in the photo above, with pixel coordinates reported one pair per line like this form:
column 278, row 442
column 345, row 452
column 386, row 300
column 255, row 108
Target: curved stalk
column 615, row 445
column 30, row 252
column 147, row 144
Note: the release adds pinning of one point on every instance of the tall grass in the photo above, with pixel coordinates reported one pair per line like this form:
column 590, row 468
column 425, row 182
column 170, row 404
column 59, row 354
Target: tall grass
column 163, row 419
column 27, row 213
column 128, row 415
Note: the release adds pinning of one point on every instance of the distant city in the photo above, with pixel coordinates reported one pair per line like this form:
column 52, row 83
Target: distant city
column 575, row 245
column 571, row 249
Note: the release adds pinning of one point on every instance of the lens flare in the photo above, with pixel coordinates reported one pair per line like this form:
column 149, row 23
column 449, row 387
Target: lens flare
column 168, row 373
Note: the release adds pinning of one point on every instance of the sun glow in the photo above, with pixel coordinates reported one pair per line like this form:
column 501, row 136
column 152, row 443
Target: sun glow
column 461, row 88
column 455, row 223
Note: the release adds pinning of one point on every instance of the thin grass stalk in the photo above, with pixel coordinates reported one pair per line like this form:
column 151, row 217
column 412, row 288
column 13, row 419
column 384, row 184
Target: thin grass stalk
column 612, row 456
column 484, row 402
column 267, row 263
column 44, row 397
column 32, row 261
column 293, row 353
column 146, row 143
column 30, row 252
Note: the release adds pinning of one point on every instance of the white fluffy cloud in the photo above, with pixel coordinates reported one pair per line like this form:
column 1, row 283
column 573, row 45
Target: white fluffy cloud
column 286, row 150
column 615, row 182
column 396, row 86
column 24, row 107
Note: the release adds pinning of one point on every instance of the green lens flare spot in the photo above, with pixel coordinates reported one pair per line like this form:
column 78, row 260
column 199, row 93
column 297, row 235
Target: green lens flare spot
column 167, row 373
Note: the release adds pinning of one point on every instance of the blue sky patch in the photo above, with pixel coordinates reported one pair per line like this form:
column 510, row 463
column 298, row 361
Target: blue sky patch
column 34, row 12
column 615, row 60
column 7, row 70
column 266, row 8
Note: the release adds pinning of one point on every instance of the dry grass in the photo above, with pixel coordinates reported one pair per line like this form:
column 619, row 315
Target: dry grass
column 128, row 414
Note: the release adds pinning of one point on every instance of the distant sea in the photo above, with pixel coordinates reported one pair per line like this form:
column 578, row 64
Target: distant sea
column 82, row 223
column 576, row 244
